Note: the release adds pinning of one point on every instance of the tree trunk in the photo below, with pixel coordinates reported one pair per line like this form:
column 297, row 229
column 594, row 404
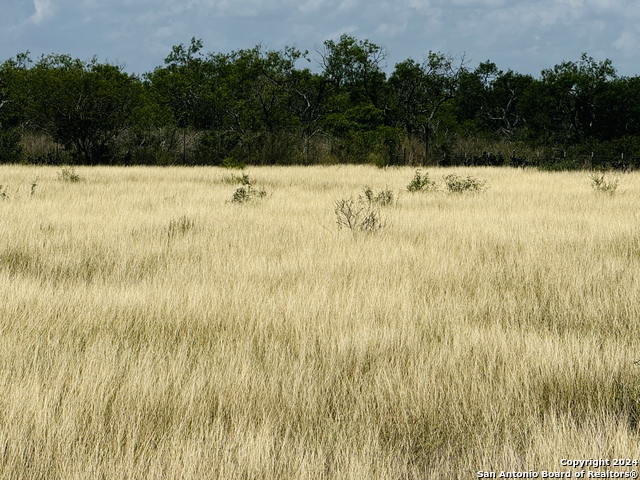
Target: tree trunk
column 426, row 143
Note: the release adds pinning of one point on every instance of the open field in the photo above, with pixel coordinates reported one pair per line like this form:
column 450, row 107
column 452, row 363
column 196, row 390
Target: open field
column 149, row 328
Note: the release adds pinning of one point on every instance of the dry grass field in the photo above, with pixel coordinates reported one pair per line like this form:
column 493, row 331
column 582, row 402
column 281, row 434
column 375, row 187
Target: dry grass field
column 151, row 328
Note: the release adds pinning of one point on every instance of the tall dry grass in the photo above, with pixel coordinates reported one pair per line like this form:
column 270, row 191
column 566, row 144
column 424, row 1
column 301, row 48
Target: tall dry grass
column 151, row 329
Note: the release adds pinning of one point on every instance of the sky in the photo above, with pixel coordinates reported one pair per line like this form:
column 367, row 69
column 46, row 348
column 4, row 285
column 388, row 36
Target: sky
column 522, row 35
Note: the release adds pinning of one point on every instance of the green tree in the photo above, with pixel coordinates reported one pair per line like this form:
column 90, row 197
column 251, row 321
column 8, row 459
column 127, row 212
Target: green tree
column 14, row 99
column 84, row 106
column 255, row 88
column 237, row 103
column 357, row 97
column 619, row 107
column 356, row 68
column 568, row 102
column 308, row 104
column 289, row 101
column 183, row 85
column 183, row 88
column 500, row 108
column 421, row 92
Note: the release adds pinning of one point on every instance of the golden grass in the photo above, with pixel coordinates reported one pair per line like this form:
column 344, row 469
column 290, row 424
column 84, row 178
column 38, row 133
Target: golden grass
column 151, row 329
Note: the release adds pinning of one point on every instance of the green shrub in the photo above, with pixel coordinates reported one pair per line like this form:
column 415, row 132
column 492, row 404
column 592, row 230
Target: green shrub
column 456, row 184
column 247, row 192
column 421, row 183
column 68, row 174
column 238, row 179
column 382, row 198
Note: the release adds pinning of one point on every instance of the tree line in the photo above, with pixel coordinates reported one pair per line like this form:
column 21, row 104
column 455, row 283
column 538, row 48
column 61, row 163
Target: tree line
column 257, row 106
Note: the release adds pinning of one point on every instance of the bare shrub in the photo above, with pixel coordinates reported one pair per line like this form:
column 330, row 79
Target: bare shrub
column 601, row 184
column 358, row 215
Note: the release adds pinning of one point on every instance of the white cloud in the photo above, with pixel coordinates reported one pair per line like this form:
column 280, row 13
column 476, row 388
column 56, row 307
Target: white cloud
column 247, row 8
column 167, row 31
column 626, row 42
column 44, row 10
column 347, row 5
column 478, row 3
column 419, row 5
column 312, row 6
column 523, row 35
column 335, row 35
column 390, row 29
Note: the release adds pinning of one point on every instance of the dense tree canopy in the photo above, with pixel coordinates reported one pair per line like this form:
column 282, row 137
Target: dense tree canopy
column 343, row 105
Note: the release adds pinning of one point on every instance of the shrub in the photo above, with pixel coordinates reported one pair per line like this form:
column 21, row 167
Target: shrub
column 238, row 179
column 456, row 184
column 244, row 180
column 603, row 185
column 358, row 215
column 246, row 194
column 68, row 174
column 421, row 183
column 382, row 198
column 247, row 191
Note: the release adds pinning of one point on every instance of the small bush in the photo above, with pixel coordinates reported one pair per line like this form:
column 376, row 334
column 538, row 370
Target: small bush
column 603, row 185
column 358, row 215
column 68, row 174
column 3, row 192
column 457, row 184
column 238, row 179
column 382, row 198
column 247, row 192
column 421, row 183
column 244, row 180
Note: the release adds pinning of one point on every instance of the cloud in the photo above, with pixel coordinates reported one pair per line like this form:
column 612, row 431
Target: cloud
column 335, row 35
column 419, row 5
column 243, row 8
column 390, row 29
column 312, row 6
column 525, row 36
column 626, row 42
column 44, row 10
column 478, row 3
column 348, row 5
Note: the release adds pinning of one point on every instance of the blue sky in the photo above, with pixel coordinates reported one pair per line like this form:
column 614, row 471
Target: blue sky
column 525, row 36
